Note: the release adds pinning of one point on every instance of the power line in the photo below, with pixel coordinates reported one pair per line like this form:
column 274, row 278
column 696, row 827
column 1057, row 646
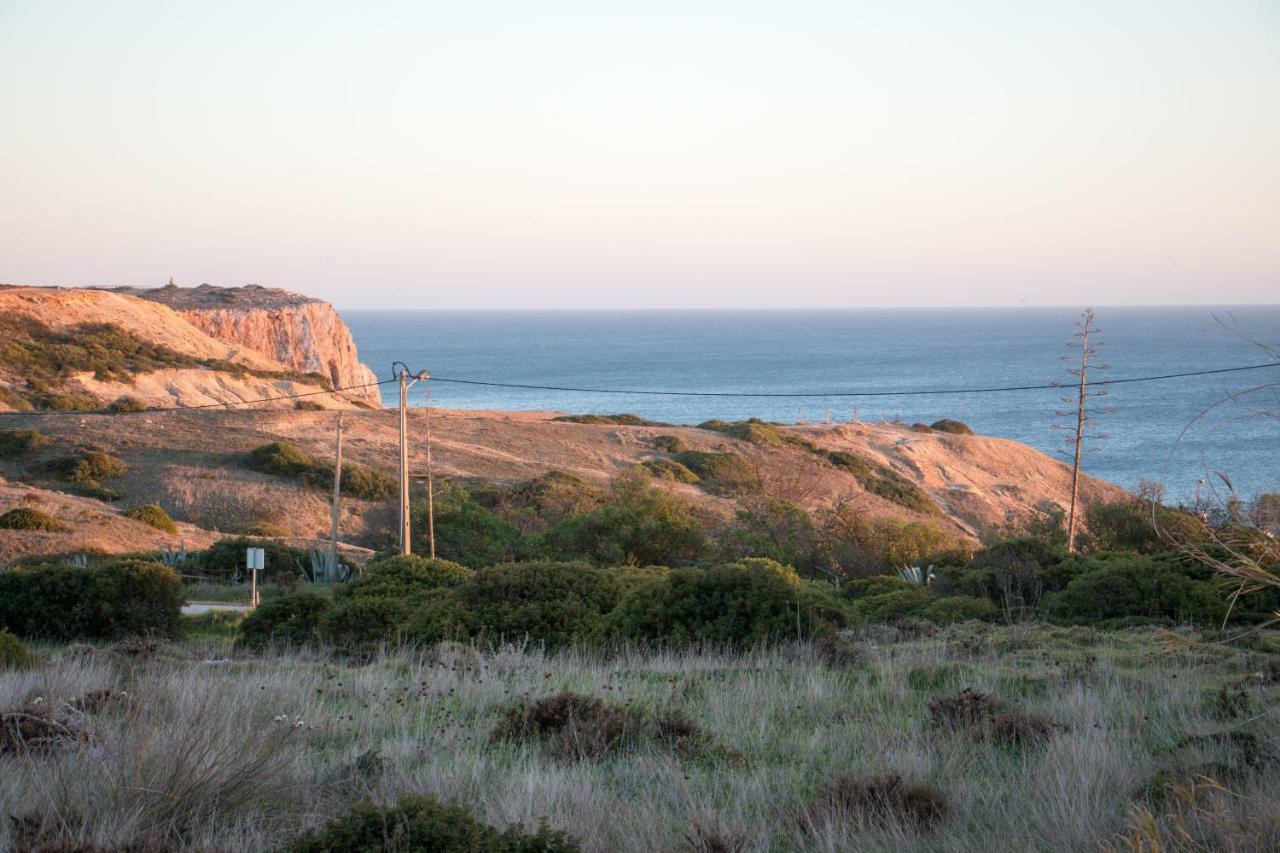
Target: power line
column 762, row 394
column 181, row 408
column 646, row 392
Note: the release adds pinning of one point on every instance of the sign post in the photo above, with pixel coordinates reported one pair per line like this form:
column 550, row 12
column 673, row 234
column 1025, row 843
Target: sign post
column 255, row 562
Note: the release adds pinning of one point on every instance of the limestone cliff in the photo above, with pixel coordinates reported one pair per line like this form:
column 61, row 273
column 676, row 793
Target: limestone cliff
column 301, row 332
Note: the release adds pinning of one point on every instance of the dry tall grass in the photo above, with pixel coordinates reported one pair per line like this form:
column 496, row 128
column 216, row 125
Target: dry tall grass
column 240, row 755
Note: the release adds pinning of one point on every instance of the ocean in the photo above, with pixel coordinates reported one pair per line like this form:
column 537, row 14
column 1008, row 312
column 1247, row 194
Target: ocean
column 1157, row 431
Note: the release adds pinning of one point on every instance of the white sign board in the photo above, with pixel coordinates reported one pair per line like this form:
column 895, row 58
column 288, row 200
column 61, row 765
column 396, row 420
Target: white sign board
column 255, row 560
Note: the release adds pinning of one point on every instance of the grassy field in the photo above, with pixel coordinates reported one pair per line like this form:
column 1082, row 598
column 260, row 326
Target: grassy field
column 204, row 748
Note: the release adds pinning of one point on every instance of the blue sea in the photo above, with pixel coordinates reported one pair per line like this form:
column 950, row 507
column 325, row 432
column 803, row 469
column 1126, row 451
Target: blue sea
column 1157, row 430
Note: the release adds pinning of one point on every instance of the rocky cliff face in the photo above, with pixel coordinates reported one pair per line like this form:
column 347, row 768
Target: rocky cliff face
column 303, row 333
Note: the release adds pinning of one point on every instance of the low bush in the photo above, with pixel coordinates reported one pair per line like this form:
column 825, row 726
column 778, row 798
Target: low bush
column 357, row 623
column 1016, row 572
column 265, row 528
column 225, row 559
column 1133, row 525
column 953, row 427
column 669, row 469
column 576, row 727
column 670, row 443
column 873, row 802
column 753, row 430
column 721, row 473
column 154, row 516
column 86, row 470
column 623, row 419
column 538, row 503
column 26, row 518
column 1134, row 586
column 639, row 525
column 424, row 824
column 67, row 401
column 16, row 443
column 548, row 603
column 13, row 654
column 891, row 605
column 737, row 604
column 118, row 598
column 778, row 530
column 959, row 608
column 290, row 620
column 405, row 577
column 466, row 532
column 883, row 481
column 285, row 460
column 126, row 404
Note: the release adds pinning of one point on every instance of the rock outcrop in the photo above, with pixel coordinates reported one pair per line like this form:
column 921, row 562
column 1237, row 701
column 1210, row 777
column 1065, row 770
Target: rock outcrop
column 301, row 332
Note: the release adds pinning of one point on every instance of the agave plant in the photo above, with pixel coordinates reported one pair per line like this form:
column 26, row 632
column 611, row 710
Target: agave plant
column 80, row 561
column 920, row 576
column 171, row 557
column 327, row 568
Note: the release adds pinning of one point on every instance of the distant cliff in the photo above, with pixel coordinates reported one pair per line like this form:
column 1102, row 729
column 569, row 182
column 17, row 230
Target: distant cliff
column 299, row 331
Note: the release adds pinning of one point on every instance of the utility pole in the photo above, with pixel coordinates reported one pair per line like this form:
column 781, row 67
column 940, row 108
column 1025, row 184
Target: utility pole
column 406, row 381
column 1079, row 431
column 431, row 480
column 337, row 491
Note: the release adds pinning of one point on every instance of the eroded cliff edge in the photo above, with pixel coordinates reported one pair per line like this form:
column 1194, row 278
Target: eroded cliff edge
column 296, row 330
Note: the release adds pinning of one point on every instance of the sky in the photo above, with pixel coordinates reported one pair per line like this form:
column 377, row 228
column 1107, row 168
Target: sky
column 691, row 154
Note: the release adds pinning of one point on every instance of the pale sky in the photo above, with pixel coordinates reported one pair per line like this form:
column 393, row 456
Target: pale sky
column 533, row 154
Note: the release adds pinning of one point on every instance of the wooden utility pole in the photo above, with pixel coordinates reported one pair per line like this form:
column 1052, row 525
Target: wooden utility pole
column 337, row 491
column 404, row 462
column 431, row 481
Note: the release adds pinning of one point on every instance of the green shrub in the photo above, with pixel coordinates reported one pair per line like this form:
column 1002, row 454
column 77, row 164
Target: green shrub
column 753, row 430
column 153, row 515
column 226, row 557
column 13, row 654
column 308, row 406
column 86, row 470
column 466, row 532
column 361, row 481
column 1129, row 525
column 16, row 443
column 877, row 585
column 362, row 622
column 883, row 481
column 775, row 529
column 123, row 597
column 554, row 604
column 721, row 473
column 640, row 525
column 670, row 443
column 891, row 605
column 669, row 469
column 265, row 528
column 424, row 824
column 751, row 601
column 280, row 457
column 1135, row 586
column 127, row 404
column 609, row 420
column 538, row 503
column 285, row 460
column 26, row 518
column 67, row 401
column 405, row 577
column 953, row 427
column 290, row 620
column 1018, row 572
column 959, row 608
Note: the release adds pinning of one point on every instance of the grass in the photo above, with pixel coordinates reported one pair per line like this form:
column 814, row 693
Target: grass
column 246, row 753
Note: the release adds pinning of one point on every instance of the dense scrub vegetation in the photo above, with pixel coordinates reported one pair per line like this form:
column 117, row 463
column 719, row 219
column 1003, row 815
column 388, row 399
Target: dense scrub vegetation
column 119, row 597
column 45, row 358
column 285, row 460
column 28, row 518
column 17, row 443
column 623, row 419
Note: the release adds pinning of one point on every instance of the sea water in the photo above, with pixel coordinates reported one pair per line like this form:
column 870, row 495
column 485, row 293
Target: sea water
column 1183, row 433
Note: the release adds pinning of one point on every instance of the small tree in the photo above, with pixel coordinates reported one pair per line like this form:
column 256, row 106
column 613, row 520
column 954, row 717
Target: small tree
column 1081, row 426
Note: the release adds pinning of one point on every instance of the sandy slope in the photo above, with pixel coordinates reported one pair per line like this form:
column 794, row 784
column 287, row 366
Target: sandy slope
column 193, row 463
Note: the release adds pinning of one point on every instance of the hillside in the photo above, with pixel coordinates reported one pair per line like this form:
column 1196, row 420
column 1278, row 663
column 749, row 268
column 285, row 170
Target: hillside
column 195, row 464
column 76, row 348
